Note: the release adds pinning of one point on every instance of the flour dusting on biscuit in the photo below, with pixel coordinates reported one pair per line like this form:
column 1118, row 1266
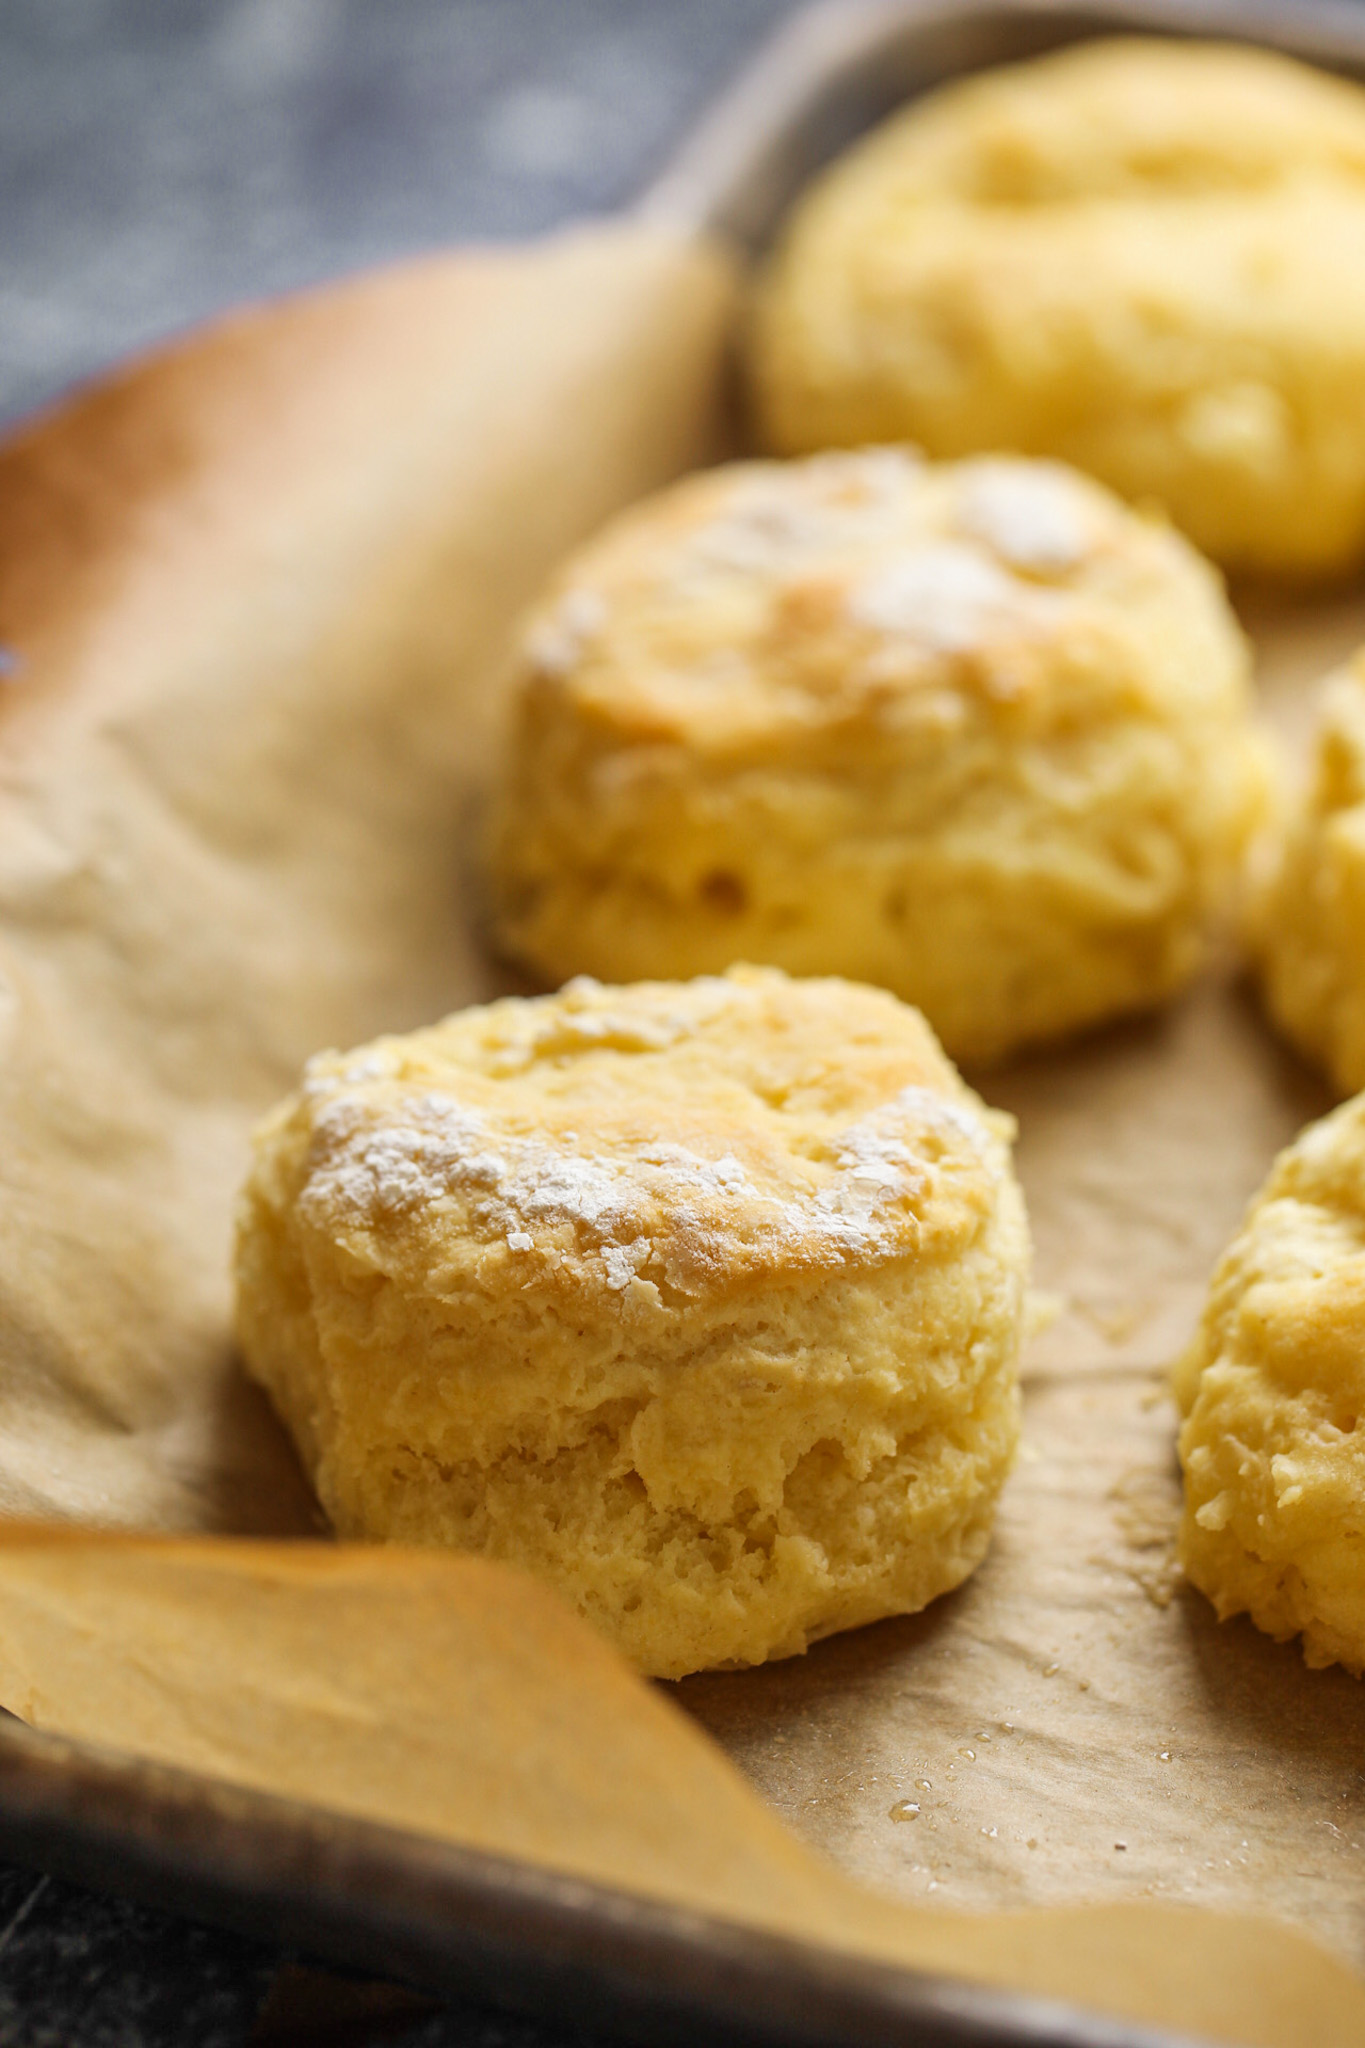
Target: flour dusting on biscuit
column 702, row 1301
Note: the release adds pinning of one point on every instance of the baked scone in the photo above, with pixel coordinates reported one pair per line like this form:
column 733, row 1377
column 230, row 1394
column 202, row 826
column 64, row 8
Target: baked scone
column 1143, row 257
column 1273, row 1392
column 973, row 732
column 1306, row 921
column 701, row 1302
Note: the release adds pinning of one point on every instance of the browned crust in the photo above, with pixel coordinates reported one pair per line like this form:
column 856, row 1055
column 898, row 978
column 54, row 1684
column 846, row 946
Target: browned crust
column 134, row 475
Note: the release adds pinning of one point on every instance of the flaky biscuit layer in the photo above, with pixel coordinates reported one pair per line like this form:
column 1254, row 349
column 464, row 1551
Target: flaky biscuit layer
column 973, row 732
column 1306, row 920
column 702, row 1302
column 1273, row 1392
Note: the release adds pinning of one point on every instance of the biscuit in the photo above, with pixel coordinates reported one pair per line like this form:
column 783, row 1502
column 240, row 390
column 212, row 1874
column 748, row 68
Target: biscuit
column 973, row 732
column 1273, row 1393
column 1306, row 922
column 700, row 1302
column 1141, row 257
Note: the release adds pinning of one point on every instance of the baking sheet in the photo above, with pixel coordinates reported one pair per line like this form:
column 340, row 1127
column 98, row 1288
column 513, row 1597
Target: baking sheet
column 259, row 595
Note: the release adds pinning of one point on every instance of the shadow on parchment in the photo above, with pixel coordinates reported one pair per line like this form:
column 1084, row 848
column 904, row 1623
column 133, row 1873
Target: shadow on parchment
column 252, row 1483
column 1266, row 1700
column 733, row 1704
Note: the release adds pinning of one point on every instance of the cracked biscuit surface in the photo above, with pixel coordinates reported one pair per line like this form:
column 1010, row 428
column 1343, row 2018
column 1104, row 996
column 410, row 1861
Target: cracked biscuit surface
column 1273, row 1394
column 973, row 732
column 700, row 1301
column 1306, row 924
column 1142, row 257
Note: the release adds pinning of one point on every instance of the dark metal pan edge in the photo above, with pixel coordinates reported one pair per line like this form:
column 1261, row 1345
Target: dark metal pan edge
column 836, row 68
column 455, row 1919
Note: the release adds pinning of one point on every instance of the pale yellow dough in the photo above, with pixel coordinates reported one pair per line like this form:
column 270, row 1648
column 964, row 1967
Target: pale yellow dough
column 973, row 732
column 702, row 1302
column 1142, row 257
column 1273, row 1391
column 1307, row 920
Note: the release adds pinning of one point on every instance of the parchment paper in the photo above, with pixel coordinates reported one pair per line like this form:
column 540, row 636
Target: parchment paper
column 254, row 595
column 258, row 593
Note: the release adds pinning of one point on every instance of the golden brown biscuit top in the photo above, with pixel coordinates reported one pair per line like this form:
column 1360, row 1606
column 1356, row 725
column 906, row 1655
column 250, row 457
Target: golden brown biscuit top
column 663, row 1136
column 1115, row 120
column 1289, row 1295
column 770, row 603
